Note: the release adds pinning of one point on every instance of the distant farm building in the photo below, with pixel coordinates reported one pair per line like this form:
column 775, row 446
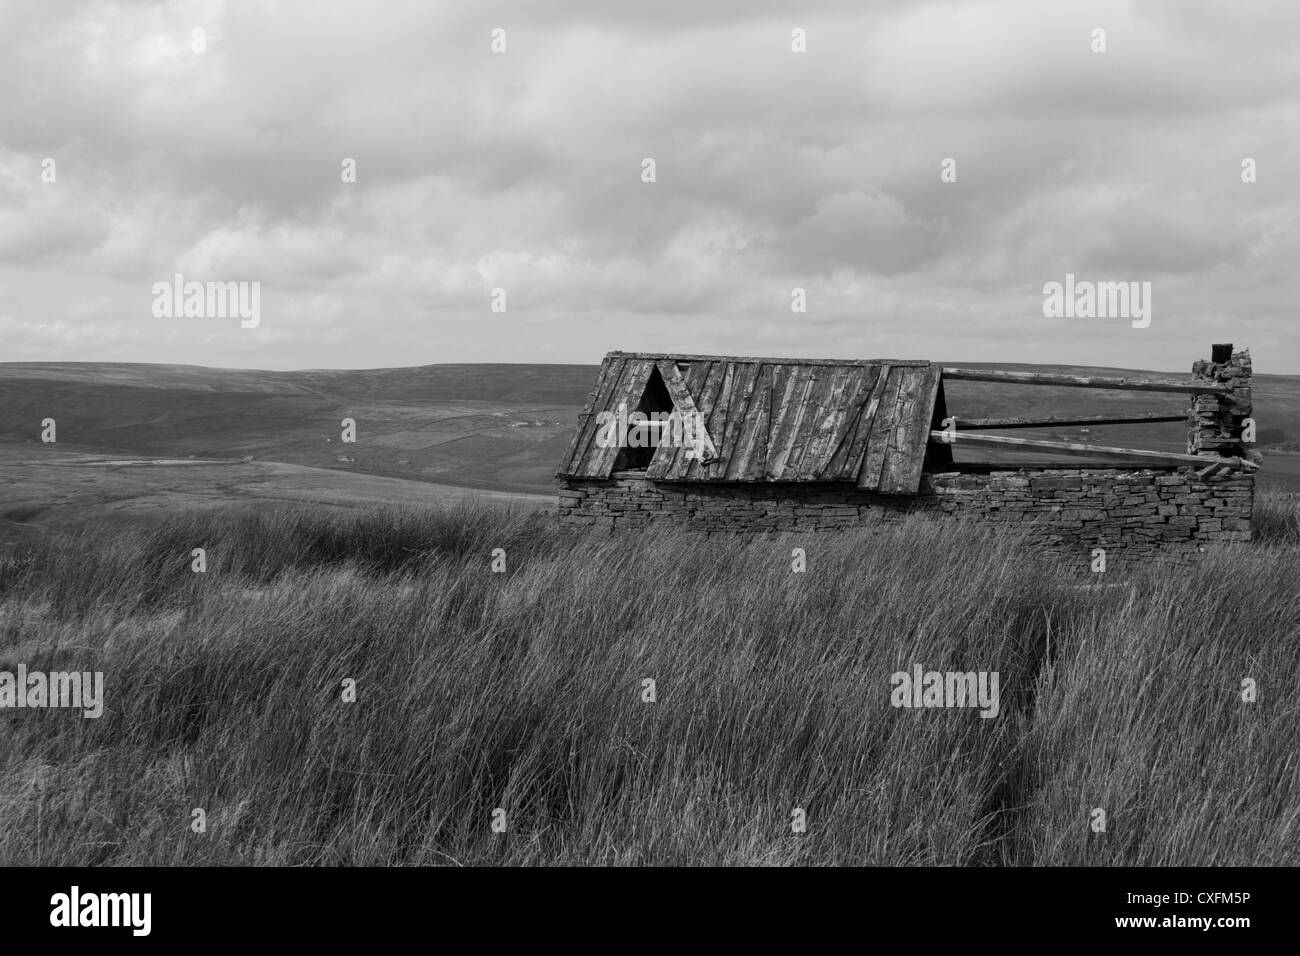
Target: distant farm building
column 805, row 444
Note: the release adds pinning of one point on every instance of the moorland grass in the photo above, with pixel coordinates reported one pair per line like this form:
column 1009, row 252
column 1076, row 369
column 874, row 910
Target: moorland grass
column 525, row 690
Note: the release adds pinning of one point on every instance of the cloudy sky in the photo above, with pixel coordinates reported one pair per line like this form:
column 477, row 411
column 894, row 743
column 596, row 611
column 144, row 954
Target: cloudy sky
column 522, row 170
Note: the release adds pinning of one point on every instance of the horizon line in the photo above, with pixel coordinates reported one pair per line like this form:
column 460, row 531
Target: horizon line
column 594, row 364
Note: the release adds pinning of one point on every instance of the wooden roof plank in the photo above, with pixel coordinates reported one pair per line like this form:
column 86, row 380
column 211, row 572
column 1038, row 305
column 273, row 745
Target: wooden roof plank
column 725, row 375
column 822, row 414
column 851, row 464
column 630, row 389
column 787, row 424
column 742, row 398
column 589, row 411
column 584, row 443
column 894, row 437
column 708, row 391
column 878, row 402
column 697, row 375
column 880, row 426
column 844, row 459
column 784, row 378
column 705, row 392
column 906, row 459
column 752, row 458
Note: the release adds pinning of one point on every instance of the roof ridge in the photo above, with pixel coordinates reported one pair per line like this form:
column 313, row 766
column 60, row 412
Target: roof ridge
column 682, row 356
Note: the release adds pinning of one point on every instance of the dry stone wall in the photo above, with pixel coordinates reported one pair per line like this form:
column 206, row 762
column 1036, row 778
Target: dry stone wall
column 1138, row 511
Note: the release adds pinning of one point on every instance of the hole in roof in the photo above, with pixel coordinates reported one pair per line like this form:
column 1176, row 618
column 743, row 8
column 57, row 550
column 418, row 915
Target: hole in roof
column 654, row 399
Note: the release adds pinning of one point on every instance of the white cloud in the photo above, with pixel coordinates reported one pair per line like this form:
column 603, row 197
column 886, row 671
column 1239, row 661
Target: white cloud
column 522, row 170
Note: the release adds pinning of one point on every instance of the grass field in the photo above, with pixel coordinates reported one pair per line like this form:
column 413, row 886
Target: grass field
column 523, row 691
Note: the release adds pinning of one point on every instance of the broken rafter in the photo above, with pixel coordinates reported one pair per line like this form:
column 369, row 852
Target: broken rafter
column 1093, row 451
column 967, row 423
column 685, row 407
column 1083, row 381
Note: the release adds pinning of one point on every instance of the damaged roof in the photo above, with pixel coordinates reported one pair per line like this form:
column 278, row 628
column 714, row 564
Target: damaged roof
column 768, row 419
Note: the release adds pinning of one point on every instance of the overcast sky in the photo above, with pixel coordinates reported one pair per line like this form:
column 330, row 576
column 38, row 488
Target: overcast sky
column 522, row 170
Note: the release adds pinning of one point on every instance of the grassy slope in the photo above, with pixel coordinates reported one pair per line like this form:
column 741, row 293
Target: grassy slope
column 522, row 690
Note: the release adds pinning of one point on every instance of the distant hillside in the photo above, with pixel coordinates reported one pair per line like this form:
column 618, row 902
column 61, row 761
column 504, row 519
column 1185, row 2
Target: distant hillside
column 520, row 384
column 498, row 427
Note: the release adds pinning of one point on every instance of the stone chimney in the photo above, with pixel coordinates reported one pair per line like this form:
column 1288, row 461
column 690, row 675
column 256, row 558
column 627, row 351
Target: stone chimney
column 1214, row 423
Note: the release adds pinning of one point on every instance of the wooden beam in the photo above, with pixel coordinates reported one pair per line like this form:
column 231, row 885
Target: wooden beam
column 684, row 405
column 1092, row 451
column 1020, row 463
column 968, row 423
column 1082, row 381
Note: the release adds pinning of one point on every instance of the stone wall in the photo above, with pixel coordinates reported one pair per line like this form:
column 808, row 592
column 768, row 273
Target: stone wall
column 1214, row 422
column 1142, row 511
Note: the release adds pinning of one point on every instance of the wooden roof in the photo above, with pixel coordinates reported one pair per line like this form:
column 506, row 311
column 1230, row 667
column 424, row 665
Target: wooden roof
column 807, row 420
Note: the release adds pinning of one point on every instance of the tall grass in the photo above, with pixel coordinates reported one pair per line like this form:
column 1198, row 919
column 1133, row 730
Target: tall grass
column 525, row 691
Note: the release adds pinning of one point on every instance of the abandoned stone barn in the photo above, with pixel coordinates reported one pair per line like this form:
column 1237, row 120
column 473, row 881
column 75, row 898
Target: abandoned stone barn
column 804, row 444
